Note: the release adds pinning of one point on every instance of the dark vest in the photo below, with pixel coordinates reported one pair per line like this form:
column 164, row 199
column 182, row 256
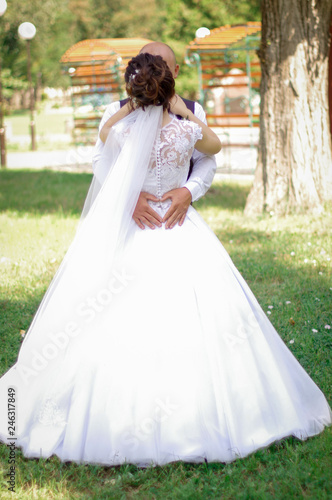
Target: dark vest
column 191, row 106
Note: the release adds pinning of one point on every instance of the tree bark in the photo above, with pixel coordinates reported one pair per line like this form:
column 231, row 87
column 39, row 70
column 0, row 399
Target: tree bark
column 294, row 167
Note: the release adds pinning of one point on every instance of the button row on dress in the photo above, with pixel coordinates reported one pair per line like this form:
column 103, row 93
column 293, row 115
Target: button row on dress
column 158, row 162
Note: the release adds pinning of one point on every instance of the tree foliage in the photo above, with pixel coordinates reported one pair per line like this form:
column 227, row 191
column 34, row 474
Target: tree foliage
column 62, row 23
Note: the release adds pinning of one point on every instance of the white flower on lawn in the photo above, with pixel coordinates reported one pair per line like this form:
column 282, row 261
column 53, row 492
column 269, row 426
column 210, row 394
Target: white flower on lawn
column 292, row 254
column 288, row 302
column 317, row 299
column 314, row 330
column 291, row 341
column 320, row 272
column 327, row 327
column 309, row 244
column 305, row 261
column 270, row 307
column 268, row 312
column 4, row 259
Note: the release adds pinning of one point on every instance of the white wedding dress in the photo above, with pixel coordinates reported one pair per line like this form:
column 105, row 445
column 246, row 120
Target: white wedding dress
column 166, row 357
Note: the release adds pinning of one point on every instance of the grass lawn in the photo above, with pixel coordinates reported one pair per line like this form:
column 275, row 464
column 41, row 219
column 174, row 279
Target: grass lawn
column 286, row 262
column 46, row 123
column 48, row 126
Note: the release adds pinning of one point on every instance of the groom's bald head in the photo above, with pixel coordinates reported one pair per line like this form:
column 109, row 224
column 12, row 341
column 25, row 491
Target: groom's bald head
column 165, row 51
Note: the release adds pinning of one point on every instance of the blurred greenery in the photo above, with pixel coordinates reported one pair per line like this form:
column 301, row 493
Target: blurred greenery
column 62, row 23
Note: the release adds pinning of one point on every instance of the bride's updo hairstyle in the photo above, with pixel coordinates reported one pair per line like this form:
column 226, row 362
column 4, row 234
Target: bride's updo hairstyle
column 149, row 81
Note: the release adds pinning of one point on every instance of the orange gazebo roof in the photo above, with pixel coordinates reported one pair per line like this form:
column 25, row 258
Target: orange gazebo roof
column 223, row 37
column 95, row 51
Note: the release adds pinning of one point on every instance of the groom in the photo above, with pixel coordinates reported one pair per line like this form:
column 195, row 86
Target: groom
column 203, row 166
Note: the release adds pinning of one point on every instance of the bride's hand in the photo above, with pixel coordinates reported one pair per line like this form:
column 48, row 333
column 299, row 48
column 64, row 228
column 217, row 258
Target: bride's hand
column 119, row 115
column 178, row 107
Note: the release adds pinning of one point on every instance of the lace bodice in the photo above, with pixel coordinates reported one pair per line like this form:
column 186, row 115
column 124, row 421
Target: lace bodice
column 169, row 165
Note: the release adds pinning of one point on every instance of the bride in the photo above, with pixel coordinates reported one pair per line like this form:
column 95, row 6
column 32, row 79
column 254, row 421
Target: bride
column 149, row 347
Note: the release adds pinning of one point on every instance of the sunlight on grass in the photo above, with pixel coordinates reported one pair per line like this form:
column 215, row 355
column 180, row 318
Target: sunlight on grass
column 287, row 263
column 54, row 123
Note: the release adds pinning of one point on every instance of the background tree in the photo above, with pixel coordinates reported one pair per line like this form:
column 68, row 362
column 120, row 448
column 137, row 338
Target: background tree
column 127, row 18
column 294, row 161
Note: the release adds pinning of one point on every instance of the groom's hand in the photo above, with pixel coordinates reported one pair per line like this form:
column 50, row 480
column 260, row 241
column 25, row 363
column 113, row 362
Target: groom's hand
column 181, row 199
column 144, row 214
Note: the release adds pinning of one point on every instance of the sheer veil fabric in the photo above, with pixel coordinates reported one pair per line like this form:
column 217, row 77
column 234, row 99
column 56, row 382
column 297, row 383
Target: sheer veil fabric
column 107, row 213
column 95, row 252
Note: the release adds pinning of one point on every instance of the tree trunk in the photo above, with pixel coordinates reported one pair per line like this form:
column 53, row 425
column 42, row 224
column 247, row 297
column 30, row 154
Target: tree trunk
column 294, row 168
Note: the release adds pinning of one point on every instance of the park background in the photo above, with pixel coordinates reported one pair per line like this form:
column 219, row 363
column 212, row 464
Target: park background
column 59, row 29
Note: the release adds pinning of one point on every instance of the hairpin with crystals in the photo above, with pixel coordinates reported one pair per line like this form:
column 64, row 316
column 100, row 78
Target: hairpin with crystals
column 132, row 77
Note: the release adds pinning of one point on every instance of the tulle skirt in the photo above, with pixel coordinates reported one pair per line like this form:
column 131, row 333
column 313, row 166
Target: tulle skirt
column 166, row 357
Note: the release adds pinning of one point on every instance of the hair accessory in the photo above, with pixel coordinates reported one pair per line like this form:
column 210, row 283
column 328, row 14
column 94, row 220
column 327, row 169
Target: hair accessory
column 132, row 77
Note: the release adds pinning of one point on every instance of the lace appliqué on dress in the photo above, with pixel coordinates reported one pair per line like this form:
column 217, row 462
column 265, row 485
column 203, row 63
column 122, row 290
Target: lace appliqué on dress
column 171, row 155
column 50, row 413
column 176, row 143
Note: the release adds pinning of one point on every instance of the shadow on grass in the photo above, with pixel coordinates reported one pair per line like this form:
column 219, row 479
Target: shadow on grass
column 43, row 191
column 231, row 196
column 47, row 191
column 15, row 315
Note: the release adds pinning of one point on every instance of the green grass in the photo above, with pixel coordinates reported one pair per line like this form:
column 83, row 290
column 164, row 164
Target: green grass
column 42, row 145
column 54, row 123
column 282, row 259
column 47, row 124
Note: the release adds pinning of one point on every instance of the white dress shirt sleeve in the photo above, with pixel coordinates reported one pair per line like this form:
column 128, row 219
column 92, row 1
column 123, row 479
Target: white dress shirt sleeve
column 204, row 166
column 109, row 111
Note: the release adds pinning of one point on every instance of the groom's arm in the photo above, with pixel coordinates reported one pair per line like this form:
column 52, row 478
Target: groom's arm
column 109, row 111
column 204, row 166
column 200, row 180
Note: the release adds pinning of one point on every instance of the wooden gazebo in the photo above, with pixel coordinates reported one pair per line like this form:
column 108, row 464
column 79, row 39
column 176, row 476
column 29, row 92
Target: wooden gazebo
column 229, row 74
column 96, row 68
